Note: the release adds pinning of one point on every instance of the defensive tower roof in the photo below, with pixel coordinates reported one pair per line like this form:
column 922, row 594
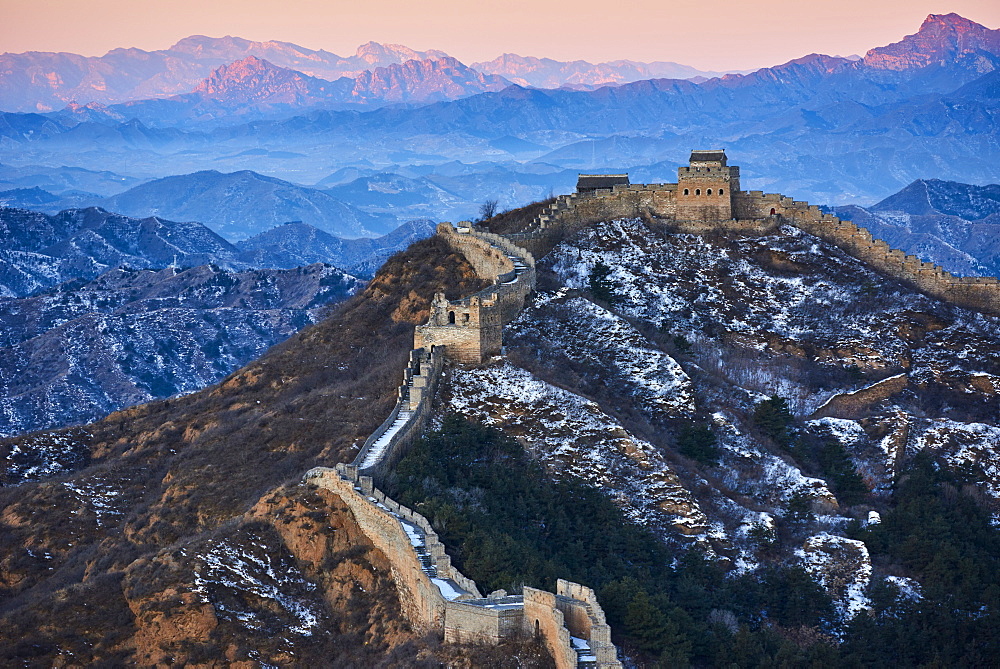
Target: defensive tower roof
column 588, row 182
column 708, row 156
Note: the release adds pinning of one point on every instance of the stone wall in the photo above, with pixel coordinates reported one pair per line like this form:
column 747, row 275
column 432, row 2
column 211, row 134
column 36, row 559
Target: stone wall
column 543, row 618
column 482, row 621
column 465, row 329
column 471, row 328
column 752, row 212
column 979, row 293
column 422, row 602
column 589, row 620
column 414, row 397
column 470, row 617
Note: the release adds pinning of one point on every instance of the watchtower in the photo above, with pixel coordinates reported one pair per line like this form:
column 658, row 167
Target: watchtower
column 470, row 328
column 705, row 187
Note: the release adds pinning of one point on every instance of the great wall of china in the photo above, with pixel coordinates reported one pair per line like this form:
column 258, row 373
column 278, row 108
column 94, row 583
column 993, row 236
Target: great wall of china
column 433, row 593
column 707, row 198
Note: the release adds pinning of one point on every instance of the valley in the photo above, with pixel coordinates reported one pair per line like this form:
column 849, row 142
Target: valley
column 641, row 405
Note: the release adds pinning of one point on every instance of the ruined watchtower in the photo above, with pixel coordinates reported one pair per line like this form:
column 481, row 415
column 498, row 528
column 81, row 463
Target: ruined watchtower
column 705, row 187
column 470, row 328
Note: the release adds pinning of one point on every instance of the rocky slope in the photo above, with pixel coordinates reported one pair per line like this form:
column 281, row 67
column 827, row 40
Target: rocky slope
column 700, row 332
column 41, row 251
column 952, row 224
column 85, row 349
column 178, row 543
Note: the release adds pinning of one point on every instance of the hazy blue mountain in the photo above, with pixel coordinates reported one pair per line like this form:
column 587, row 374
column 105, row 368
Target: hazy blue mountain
column 946, row 198
column 40, row 250
column 58, row 180
column 821, row 128
column 243, row 204
column 294, row 244
column 549, row 73
column 955, row 225
column 86, row 348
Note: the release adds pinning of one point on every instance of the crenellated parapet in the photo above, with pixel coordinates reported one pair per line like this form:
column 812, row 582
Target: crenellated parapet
column 413, row 406
column 472, row 327
column 707, row 198
column 436, row 596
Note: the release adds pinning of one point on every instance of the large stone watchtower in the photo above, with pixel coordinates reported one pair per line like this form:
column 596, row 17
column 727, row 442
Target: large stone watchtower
column 705, row 187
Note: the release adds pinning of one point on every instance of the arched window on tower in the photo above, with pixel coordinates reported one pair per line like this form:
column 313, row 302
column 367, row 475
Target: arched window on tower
column 708, row 192
column 451, row 318
column 720, row 191
column 687, row 192
column 697, row 191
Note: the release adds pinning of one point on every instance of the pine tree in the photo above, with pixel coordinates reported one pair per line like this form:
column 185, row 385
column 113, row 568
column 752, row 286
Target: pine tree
column 600, row 283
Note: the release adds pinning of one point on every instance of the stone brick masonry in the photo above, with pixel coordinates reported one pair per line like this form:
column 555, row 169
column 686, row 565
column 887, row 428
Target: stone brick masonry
column 707, row 198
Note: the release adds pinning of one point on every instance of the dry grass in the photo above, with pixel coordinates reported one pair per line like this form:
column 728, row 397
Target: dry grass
column 183, row 468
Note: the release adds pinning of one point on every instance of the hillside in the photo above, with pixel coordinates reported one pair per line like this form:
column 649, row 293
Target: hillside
column 759, row 411
column 952, row 224
column 41, row 251
column 87, row 348
column 182, row 567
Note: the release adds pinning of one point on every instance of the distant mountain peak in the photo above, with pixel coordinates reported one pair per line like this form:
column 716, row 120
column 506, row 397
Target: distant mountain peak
column 254, row 79
column 377, row 54
column 941, row 37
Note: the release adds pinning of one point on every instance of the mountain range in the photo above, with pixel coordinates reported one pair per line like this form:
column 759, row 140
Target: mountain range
column 87, row 348
column 42, row 81
column 42, row 251
column 952, row 224
column 754, row 448
column 823, row 128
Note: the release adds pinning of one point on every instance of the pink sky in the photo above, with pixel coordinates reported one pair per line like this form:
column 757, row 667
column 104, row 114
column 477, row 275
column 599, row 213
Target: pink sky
column 715, row 36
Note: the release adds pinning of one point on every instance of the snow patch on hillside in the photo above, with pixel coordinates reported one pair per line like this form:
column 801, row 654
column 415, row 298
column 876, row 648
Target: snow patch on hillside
column 573, row 435
column 843, row 567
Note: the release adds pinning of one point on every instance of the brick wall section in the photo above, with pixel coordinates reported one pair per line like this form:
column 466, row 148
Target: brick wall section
column 472, row 328
column 748, row 212
column 467, row 330
column 422, row 603
column 589, row 620
column 471, row 618
column 979, row 293
column 472, row 623
column 543, row 617
column 415, row 395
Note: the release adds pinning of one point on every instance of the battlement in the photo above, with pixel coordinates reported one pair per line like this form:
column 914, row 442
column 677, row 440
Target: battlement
column 707, row 198
column 413, row 405
column 472, row 327
column 438, row 597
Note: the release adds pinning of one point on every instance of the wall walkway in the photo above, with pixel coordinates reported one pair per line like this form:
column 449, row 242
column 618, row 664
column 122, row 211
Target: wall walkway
column 435, row 595
column 757, row 212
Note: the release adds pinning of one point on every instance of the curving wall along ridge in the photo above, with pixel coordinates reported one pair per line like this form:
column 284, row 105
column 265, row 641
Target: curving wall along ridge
column 413, row 405
column 435, row 595
column 728, row 208
column 472, row 328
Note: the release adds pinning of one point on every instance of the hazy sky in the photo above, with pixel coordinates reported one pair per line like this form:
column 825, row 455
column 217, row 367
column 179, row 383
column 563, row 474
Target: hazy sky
column 718, row 35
